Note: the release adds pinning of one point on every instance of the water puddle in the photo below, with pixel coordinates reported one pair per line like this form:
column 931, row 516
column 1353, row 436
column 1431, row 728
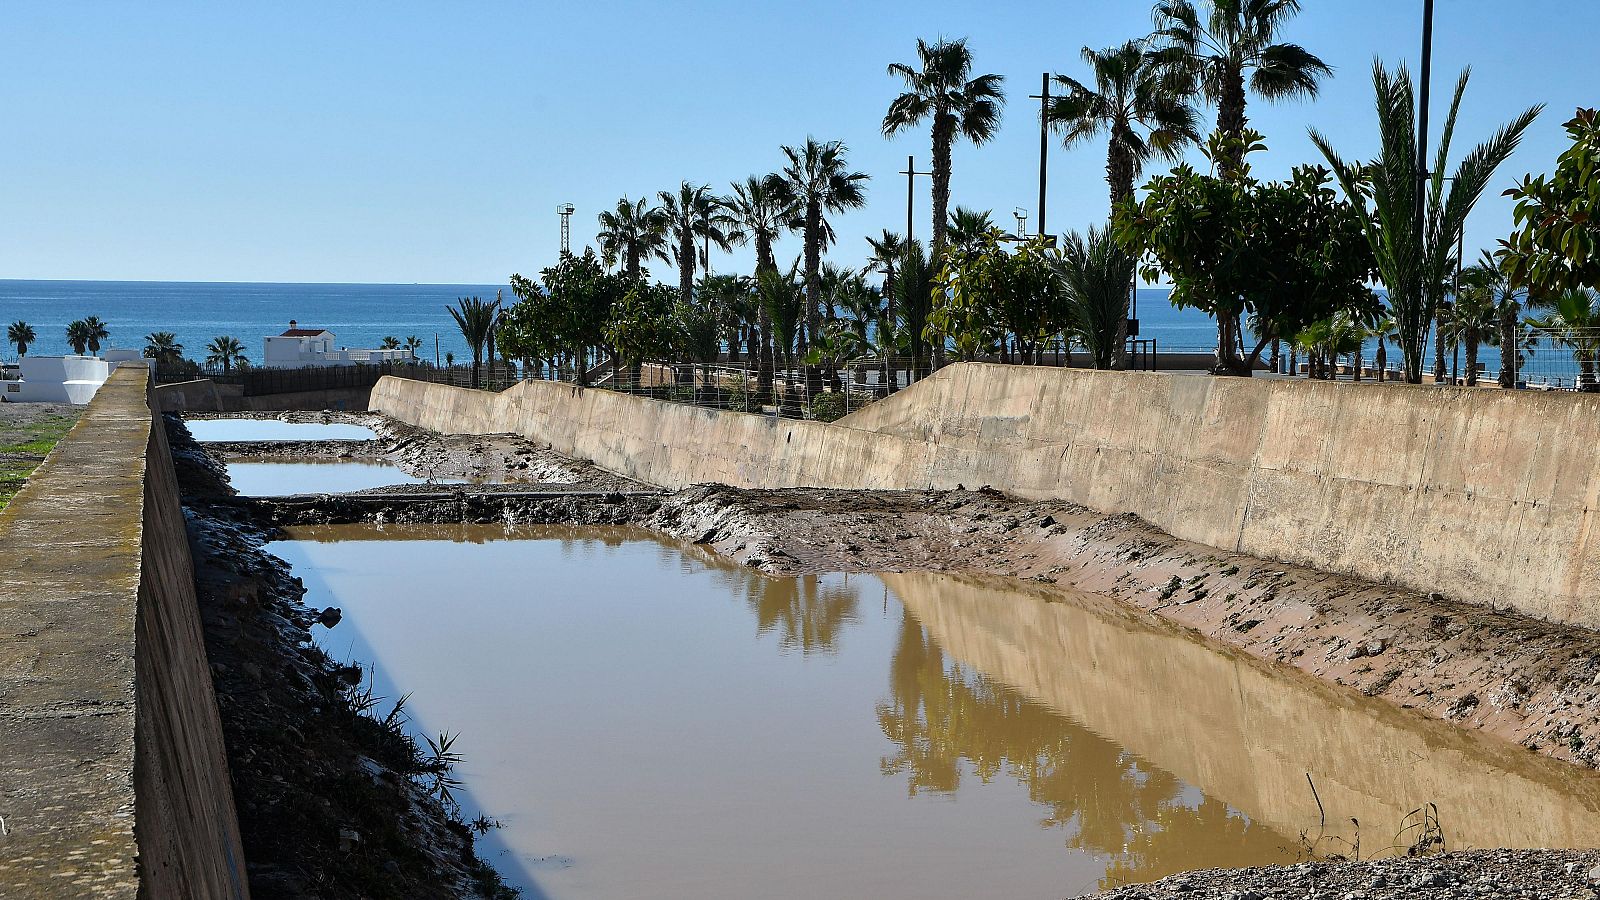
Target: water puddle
column 647, row 719
column 209, row 430
column 280, row 479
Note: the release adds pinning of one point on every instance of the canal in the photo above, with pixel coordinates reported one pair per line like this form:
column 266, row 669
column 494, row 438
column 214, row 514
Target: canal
column 647, row 719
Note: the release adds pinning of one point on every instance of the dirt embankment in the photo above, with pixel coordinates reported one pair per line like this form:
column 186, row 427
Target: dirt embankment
column 330, row 798
column 1517, row 678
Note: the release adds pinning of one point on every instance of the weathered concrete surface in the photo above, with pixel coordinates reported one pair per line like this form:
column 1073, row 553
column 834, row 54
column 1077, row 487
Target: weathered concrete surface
column 113, row 781
column 1486, row 496
column 205, row 395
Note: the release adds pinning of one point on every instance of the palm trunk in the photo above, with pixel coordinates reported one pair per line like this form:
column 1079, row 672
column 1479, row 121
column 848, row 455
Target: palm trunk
column 943, row 137
column 1119, row 176
column 1508, row 345
column 685, row 264
column 1438, row 345
column 1231, row 119
column 1473, row 337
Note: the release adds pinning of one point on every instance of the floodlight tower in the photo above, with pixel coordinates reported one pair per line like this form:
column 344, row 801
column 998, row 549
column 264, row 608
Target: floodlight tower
column 1021, row 215
column 565, row 211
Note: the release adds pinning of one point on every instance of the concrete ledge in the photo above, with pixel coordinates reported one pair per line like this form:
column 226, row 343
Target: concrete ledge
column 1486, row 496
column 113, row 780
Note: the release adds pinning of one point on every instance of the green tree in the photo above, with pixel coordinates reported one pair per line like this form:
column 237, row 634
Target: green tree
column 632, row 234
column 1233, row 39
column 763, row 210
column 161, row 346
column 784, row 302
column 1096, row 272
column 694, row 214
column 1416, row 268
column 566, row 316
column 641, row 325
column 412, row 343
column 968, row 228
column 476, row 318
column 390, row 342
column 1556, row 245
column 20, row 334
column 818, row 180
column 939, row 87
column 94, row 332
column 1287, row 254
column 699, row 322
column 1489, row 278
column 914, row 298
column 226, row 352
column 1473, row 316
column 886, row 252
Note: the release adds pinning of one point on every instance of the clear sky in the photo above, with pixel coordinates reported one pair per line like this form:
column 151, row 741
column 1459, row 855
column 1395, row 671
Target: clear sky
column 431, row 142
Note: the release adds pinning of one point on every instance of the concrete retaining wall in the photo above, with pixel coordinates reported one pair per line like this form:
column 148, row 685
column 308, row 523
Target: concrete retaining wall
column 1486, row 496
column 113, row 779
column 205, row 395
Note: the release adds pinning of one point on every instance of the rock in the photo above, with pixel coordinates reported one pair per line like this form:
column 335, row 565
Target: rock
column 1373, row 648
column 1047, row 521
column 330, row 616
column 1594, row 875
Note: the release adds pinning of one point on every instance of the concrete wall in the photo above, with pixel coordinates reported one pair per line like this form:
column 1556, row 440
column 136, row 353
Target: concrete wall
column 205, row 395
column 1487, row 496
column 113, row 779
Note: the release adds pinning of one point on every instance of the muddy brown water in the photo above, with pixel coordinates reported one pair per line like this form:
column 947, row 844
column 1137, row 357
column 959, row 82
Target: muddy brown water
column 648, row 719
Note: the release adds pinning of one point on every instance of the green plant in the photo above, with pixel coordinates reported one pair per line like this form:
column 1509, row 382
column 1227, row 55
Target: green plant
column 1555, row 246
column 94, row 331
column 1095, row 273
column 1416, row 268
column 20, row 334
column 828, row 407
column 475, row 318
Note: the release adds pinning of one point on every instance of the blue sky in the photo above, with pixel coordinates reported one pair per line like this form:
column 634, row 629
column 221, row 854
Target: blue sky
column 431, row 142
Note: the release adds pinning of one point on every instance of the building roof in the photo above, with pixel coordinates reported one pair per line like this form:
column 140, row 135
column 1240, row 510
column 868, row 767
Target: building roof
column 305, row 332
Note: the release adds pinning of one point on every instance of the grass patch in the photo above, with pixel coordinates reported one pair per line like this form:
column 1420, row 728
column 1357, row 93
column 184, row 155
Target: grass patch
column 24, row 445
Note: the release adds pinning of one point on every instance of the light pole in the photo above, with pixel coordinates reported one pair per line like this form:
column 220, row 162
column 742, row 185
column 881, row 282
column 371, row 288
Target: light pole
column 1422, row 147
column 911, row 174
column 1044, row 139
column 565, row 211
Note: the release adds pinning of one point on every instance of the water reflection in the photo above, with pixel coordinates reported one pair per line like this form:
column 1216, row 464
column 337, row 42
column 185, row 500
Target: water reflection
column 281, row 479
column 957, row 737
column 208, row 430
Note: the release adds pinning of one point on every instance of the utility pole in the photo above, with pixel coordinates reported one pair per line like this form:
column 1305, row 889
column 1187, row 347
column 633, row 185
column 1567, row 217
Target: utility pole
column 911, row 174
column 565, row 211
column 1044, row 139
column 1422, row 143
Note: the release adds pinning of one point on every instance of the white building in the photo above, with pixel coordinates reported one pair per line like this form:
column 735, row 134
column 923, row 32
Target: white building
column 300, row 348
column 65, row 379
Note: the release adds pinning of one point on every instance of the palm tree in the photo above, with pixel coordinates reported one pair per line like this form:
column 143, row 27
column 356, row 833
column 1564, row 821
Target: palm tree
column 224, row 351
column 475, row 317
column 939, row 87
column 1096, row 272
column 968, row 227
column 633, row 233
column 1415, row 268
column 1472, row 317
column 784, row 302
column 818, row 181
column 390, row 342
column 1142, row 105
column 161, row 346
column 1486, row 275
column 413, row 343
column 694, row 213
column 1237, row 37
column 886, row 252
column 914, row 296
column 1574, row 322
column 94, row 331
column 762, row 210
column 20, row 334
column 78, row 337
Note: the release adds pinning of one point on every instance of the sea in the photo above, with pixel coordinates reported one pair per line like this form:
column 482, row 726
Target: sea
column 359, row 315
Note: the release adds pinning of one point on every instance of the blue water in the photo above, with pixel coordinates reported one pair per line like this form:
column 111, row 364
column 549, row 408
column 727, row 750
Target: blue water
column 359, row 315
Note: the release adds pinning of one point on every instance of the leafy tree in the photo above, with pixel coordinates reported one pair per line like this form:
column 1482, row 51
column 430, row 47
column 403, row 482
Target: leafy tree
column 1287, row 254
column 226, row 352
column 641, row 325
column 987, row 292
column 818, row 181
column 1236, row 37
column 476, row 319
column 939, row 87
column 632, row 234
column 1574, row 323
column 161, row 346
column 568, row 315
column 1096, row 272
column 1556, row 246
column 698, row 324
column 94, row 331
column 1416, row 268
column 692, row 214
column 20, row 334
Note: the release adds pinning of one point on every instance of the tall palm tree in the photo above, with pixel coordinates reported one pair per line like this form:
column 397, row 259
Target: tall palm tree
column 763, row 210
column 412, row 343
column 20, row 335
column 78, row 337
column 1472, row 317
column 886, row 252
column 939, row 87
column 225, row 351
column 94, row 332
column 1143, row 107
column 475, row 317
column 631, row 234
column 1235, row 38
column 694, row 213
column 1415, row 269
column 161, row 346
column 818, row 180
